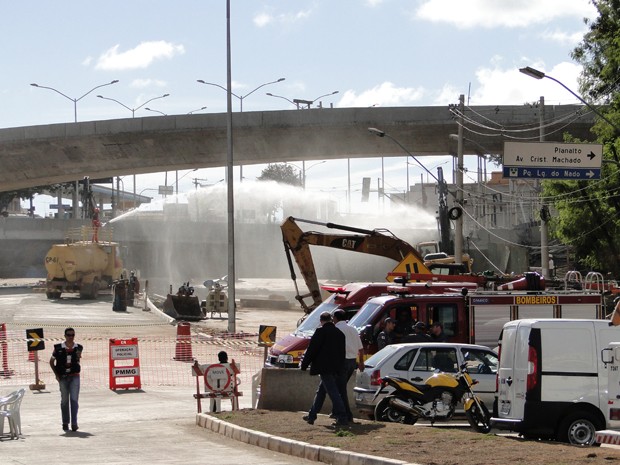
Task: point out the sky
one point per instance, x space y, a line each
373 52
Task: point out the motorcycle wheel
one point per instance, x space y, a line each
479 420
385 412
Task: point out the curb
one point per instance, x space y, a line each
304 450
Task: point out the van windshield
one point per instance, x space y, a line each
364 316
312 321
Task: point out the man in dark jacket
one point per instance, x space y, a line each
326 355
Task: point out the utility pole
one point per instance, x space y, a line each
442 213
458 223
544 210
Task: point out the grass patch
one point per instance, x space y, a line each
343 433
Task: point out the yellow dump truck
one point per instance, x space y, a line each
82 266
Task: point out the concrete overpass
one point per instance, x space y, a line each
41 155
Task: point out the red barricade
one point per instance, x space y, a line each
124 364
183 350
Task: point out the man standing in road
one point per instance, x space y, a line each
65 363
325 356
354 357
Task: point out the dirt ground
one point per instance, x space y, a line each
421 444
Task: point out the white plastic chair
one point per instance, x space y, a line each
9 409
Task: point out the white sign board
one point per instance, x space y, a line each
124 352
122 372
218 378
552 160
552 155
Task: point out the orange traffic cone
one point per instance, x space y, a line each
183 352
529 281
518 285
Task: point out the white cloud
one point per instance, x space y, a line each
264 19
505 13
502 86
139 57
143 83
373 3
563 38
385 94
87 61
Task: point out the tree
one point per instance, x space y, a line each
589 211
282 173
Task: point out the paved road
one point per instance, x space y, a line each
154 425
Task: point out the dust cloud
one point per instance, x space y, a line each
185 238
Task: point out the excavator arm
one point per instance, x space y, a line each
376 242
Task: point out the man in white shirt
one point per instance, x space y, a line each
354 357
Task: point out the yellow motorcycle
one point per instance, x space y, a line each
434 400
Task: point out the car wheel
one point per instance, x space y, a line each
578 429
385 412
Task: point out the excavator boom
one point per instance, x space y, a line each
380 242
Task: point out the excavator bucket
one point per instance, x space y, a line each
182 307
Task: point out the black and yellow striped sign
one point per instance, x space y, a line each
266 336
35 339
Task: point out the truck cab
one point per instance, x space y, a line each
449 309
287 352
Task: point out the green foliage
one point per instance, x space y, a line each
589 211
282 173
342 433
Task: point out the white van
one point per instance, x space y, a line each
552 380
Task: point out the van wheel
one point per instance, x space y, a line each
578 429
385 412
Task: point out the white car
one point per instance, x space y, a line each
417 361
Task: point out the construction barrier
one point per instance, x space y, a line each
124 364
183 351
6 371
220 382
157 364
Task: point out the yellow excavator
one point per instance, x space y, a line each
379 242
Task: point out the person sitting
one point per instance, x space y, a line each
419 334
437 334
404 322
387 336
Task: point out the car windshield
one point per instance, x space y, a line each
312 321
364 316
387 351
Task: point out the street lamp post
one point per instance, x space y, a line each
440 183
240 97
299 103
536 74
133 110
544 212
194 111
155 111
74 100
303 170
